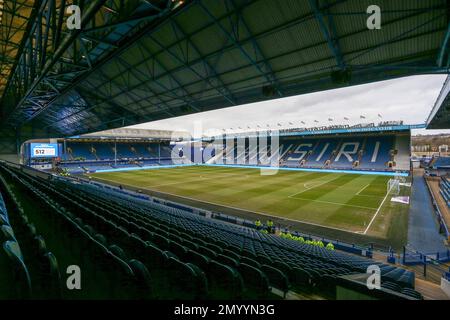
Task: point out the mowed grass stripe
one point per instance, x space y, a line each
252 193
219 187
249 181
367 206
339 197
198 180
153 178
323 203
332 203
265 194
377 187
266 185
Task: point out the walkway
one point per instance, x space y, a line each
423 232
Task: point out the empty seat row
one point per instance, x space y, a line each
125 277
16 261
208 250
407 279
228 273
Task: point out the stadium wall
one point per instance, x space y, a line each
144 168
14 158
401 174
385 173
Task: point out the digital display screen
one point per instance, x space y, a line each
44 150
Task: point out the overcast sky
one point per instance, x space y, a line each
409 99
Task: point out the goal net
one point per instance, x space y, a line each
393 186
400 179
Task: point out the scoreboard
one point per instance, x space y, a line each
44 150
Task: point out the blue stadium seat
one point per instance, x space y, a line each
166 238
256 283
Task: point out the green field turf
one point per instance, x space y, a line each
346 202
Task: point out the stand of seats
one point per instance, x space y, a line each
126 279
440 162
19 281
217 260
344 153
445 190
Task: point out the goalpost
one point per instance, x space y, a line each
393 186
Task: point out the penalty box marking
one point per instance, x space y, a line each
257 212
376 213
320 183
364 188
236 208
294 196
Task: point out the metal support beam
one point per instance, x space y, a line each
444 48
270 77
80 51
221 87
218 88
257 49
329 32
34 58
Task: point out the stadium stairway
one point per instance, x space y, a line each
402 158
155 244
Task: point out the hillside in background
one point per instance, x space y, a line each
434 141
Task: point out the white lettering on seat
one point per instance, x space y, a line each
323 151
284 150
375 152
302 153
348 153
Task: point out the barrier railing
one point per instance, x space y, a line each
433 262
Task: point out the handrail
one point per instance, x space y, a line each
427 260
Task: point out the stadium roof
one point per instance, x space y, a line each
14 16
135 133
322 131
439 117
148 60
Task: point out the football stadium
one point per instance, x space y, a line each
332 197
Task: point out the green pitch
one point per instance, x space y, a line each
348 202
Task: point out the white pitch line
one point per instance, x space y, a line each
376 213
317 185
362 189
336 203
252 211
158 185
235 208
191 179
